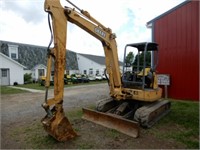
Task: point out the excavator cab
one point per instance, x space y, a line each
140 74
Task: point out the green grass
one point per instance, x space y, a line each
112 133
184 121
74 114
86 145
89 83
9 90
33 136
36 86
34 139
181 125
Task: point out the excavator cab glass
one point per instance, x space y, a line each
138 71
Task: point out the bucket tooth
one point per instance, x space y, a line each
112 121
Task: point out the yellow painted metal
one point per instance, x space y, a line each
42 78
48 75
58 126
155 82
148 95
55 122
146 71
112 121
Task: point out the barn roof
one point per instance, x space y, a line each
98 59
149 23
142 46
32 55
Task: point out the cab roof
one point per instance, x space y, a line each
141 46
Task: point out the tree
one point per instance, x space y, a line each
141 56
129 59
27 78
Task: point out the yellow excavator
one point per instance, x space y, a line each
135 98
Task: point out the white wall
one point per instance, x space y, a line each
74 72
27 71
35 71
86 64
16 71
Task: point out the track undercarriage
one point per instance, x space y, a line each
126 116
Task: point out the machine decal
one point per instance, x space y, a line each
98 31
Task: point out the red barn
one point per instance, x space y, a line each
177 33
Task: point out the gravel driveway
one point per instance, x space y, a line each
17 107
22 108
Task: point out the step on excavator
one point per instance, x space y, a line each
135 98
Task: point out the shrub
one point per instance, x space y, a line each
27 78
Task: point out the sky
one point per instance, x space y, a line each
25 21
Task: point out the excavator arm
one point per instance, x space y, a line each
55 122
61 16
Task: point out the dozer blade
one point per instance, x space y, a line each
58 126
111 121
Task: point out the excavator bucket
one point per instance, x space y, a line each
58 126
112 121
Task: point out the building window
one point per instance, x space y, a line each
4 73
41 72
97 71
85 72
13 51
67 72
90 71
13 55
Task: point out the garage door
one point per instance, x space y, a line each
5 76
